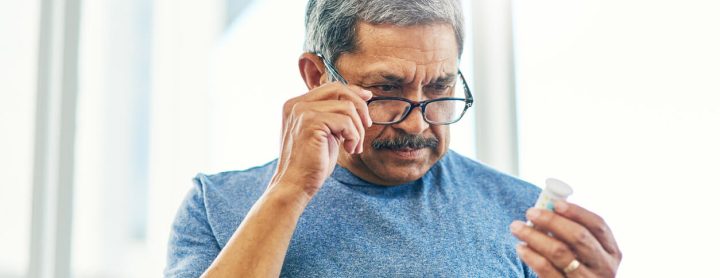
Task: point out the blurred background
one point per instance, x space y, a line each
108 108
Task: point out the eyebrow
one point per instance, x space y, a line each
396 79
382 76
448 78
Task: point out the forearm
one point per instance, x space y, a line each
258 246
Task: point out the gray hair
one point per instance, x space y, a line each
330 25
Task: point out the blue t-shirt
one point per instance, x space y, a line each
454 221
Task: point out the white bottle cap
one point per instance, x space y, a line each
558 189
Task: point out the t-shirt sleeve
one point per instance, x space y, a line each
192 245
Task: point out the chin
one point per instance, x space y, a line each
395 171
389 168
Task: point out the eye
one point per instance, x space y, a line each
437 89
385 88
440 87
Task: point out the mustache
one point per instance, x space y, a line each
405 141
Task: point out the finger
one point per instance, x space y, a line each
343 107
576 236
363 109
555 251
344 128
338 125
337 87
364 94
360 104
582 271
328 91
538 263
338 91
593 222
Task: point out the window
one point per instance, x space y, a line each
18 51
620 99
112 140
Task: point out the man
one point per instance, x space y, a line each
365 184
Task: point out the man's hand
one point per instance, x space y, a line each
315 126
577 234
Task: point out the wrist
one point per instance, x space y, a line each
289 196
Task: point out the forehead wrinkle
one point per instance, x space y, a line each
418 53
407 69
403 61
426 37
378 69
443 75
446 78
409 54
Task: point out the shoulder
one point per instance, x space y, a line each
210 213
505 189
228 196
231 182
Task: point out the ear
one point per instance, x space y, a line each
312 70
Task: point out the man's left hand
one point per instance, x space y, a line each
577 234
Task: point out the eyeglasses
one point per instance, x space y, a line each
392 110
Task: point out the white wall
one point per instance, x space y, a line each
621 99
18 50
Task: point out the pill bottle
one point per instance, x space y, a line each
554 191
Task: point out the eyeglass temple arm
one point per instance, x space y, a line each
331 69
468 95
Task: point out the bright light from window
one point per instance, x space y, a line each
18 51
620 99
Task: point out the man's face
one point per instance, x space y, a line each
415 58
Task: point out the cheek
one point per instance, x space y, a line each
371 134
442 133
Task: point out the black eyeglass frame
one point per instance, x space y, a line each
334 74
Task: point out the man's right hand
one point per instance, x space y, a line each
315 126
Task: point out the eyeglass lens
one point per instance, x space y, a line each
388 111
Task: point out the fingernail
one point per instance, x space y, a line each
515 226
561 206
533 213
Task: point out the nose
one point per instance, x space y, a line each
413 123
